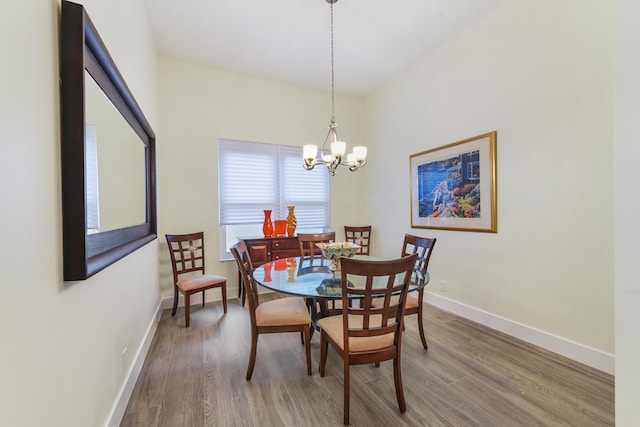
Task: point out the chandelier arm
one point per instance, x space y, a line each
326 138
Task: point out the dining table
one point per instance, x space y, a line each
317 280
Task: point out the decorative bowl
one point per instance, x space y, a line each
335 251
332 287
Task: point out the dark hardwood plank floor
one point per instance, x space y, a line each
470 376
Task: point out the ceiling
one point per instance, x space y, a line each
289 40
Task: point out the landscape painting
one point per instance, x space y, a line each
454 186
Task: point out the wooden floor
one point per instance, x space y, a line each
470 376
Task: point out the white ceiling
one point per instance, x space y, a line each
289 40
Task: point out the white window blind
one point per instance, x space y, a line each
255 176
91 179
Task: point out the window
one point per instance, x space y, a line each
91 172
254 176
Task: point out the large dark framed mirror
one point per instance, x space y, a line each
108 154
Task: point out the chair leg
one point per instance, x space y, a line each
203 291
307 345
175 300
421 330
241 291
346 389
224 296
324 346
187 308
324 306
397 376
252 357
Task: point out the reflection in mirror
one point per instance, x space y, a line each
109 178
115 165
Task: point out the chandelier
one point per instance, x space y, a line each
336 157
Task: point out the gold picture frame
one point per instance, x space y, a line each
454 187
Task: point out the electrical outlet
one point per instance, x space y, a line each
443 286
124 360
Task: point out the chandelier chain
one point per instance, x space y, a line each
332 73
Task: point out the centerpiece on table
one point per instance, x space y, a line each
334 252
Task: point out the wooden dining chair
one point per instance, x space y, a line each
360 236
307 242
309 252
423 247
367 333
187 261
269 317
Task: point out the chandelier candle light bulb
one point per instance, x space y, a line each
338 148
309 152
360 153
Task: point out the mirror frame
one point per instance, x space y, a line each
81 48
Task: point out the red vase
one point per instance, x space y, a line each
267 226
280 227
267 272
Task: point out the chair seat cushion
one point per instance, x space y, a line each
332 326
411 302
283 311
200 281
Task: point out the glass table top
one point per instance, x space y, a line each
313 278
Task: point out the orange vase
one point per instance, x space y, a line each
291 221
291 269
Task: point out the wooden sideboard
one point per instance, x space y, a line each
265 249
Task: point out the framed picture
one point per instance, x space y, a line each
453 187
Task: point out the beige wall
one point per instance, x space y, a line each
540 74
198 105
627 222
61 362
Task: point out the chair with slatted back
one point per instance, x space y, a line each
424 248
310 253
307 242
360 236
276 316
187 261
367 333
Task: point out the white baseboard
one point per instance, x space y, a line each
117 411
580 353
167 302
